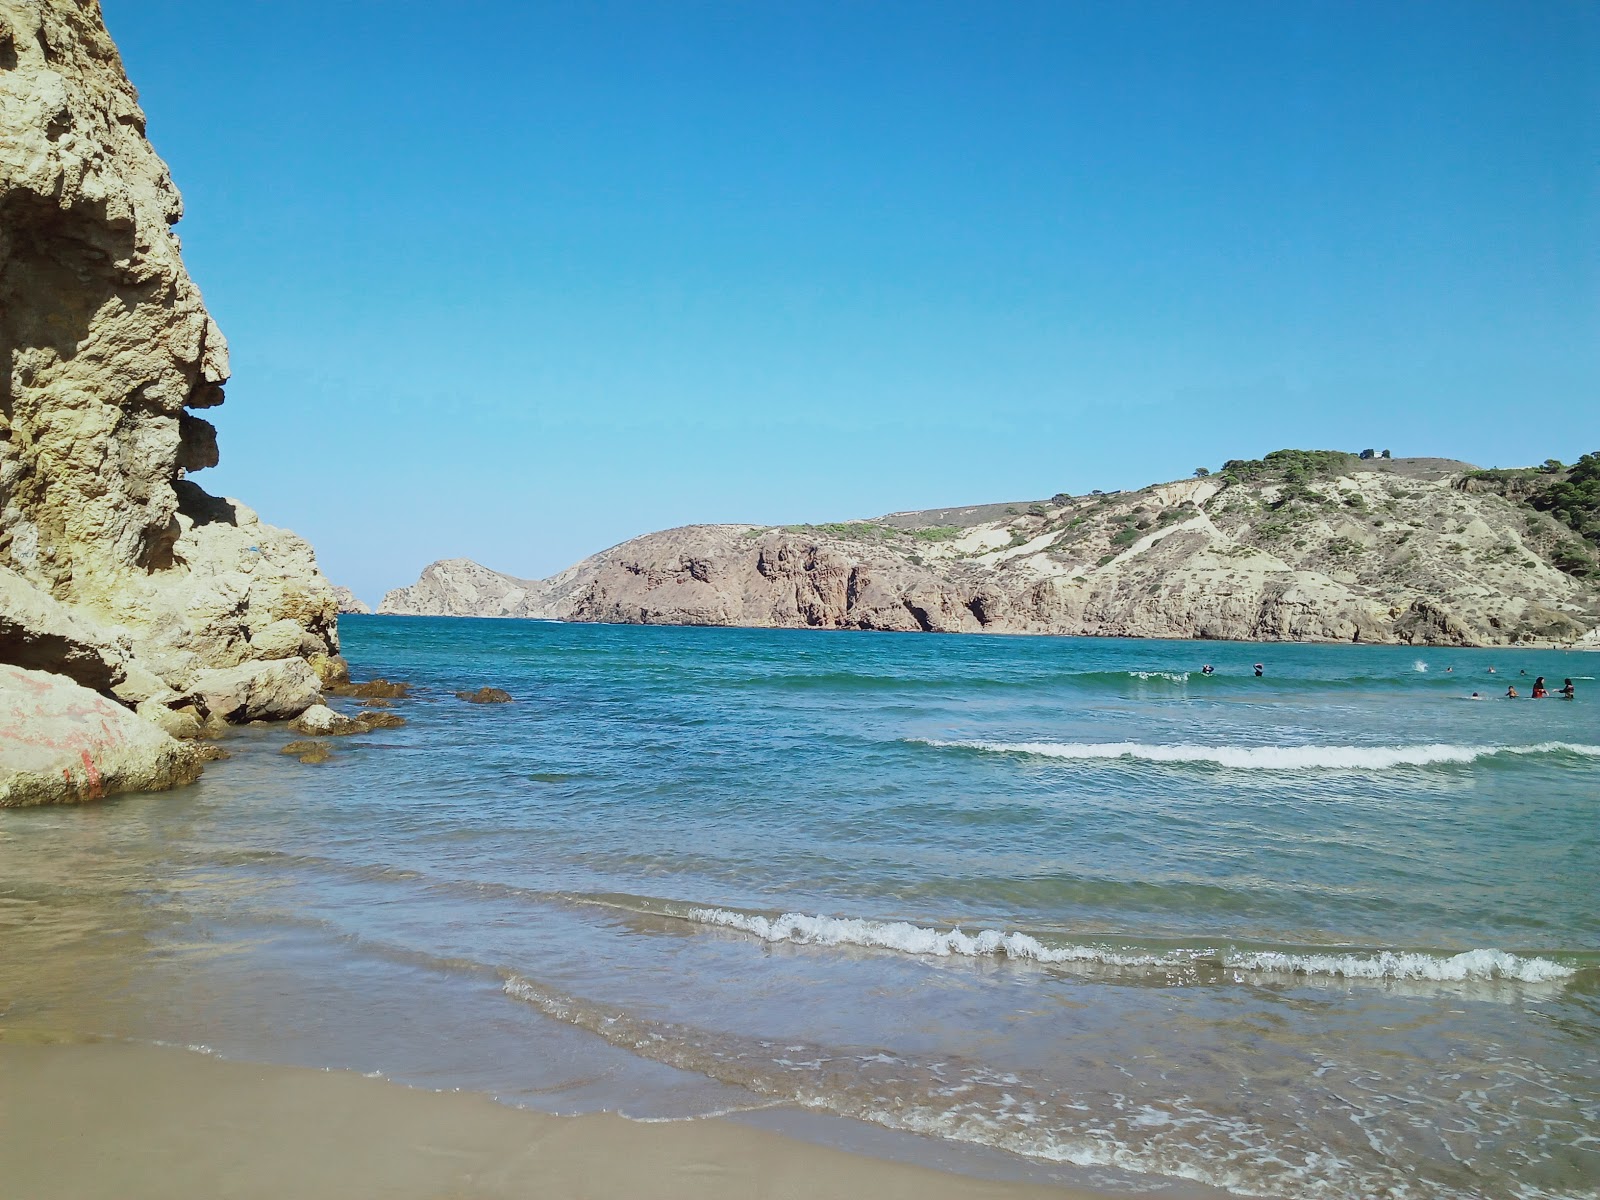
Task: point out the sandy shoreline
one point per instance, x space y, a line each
131 1121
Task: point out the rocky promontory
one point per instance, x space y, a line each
1301 545
120 578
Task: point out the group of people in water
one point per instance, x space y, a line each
1540 692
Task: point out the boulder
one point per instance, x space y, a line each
182 723
280 639
38 633
60 743
321 721
330 668
273 691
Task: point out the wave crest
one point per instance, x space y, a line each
1269 758
1483 965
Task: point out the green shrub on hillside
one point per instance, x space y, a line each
1573 498
1288 466
861 531
937 533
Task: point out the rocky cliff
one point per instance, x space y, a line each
348 601
116 570
1294 547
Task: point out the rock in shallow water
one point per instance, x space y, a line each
485 695
60 743
321 721
373 688
273 691
308 752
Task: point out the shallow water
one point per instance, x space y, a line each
1330 932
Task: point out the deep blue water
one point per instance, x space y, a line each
1333 931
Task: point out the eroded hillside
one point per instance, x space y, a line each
1299 545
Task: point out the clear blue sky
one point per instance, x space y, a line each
517 281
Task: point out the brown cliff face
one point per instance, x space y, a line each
1377 552
106 354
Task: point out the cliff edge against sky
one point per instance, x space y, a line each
119 577
1318 546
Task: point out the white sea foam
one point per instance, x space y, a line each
911 939
1271 758
1174 676
1420 666
1389 964
801 929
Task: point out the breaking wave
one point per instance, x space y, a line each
1484 965
1271 758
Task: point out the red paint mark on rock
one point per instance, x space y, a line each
96 788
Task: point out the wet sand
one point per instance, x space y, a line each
129 1121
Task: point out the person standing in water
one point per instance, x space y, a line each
1568 692
1511 692
1539 690
1258 670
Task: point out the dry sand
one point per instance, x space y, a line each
123 1121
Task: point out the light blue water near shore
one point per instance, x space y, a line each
1331 932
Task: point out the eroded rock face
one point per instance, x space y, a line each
348 601
119 572
458 587
1390 553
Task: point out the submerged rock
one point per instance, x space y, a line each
308 752
374 688
485 695
61 743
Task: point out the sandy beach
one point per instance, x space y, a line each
130 1121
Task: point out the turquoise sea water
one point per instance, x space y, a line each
1332 932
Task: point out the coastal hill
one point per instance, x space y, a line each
1300 545
133 605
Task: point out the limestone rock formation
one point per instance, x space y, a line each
348 601
1378 551
459 587
118 571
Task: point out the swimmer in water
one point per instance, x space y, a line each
1258 670
1491 670
1474 696
1511 692
1568 692
1208 669
1539 690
